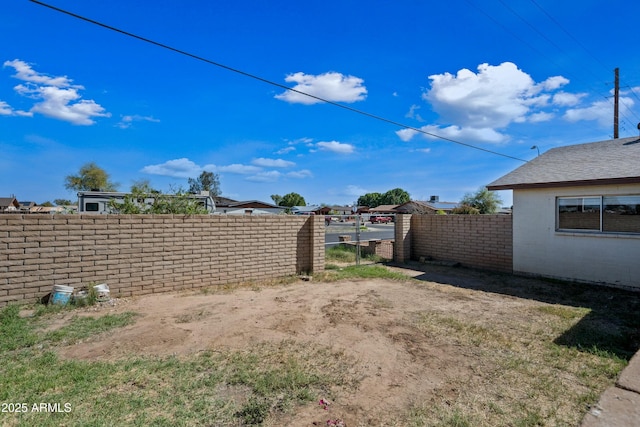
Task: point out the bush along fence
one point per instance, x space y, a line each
142 254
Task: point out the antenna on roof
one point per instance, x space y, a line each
616 97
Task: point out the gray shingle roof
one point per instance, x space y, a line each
613 161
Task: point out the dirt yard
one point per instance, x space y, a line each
440 343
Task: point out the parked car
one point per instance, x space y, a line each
380 219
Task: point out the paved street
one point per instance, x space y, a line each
376 231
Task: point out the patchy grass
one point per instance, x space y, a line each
543 361
212 388
347 254
80 328
520 372
335 273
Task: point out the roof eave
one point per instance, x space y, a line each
528 185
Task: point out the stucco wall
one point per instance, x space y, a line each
141 254
590 257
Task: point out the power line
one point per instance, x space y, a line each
607 98
555 21
521 40
270 82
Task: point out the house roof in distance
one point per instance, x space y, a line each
384 208
434 205
615 161
9 201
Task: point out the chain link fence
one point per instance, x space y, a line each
359 239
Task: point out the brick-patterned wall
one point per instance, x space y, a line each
142 254
481 241
382 248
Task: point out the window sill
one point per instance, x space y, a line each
599 234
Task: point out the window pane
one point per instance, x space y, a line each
621 213
579 213
91 207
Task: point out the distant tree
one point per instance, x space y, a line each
292 199
143 186
90 177
370 199
207 181
465 210
63 202
276 199
47 204
142 202
397 196
485 201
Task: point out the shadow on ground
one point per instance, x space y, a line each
612 324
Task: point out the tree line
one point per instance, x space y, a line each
93 177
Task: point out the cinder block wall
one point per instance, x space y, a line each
142 254
481 241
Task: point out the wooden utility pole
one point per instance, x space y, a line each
616 96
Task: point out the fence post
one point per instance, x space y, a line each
402 245
317 244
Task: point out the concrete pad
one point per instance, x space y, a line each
630 376
616 408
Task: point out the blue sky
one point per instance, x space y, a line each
495 74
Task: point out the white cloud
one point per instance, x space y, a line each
553 83
59 99
406 134
456 133
25 73
7 110
355 191
330 86
336 147
269 176
304 173
286 150
494 97
600 111
127 121
565 99
178 168
423 150
478 106
235 168
272 163
59 104
412 113
540 117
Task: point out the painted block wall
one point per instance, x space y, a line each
609 258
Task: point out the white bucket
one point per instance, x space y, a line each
61 294
102 292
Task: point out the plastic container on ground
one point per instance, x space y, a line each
102 292
61 294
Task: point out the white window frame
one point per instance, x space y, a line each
601 210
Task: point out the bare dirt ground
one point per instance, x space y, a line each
372 321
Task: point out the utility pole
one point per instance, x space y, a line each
616 96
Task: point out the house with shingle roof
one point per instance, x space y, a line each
576 213
429 207
247 207
9 204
